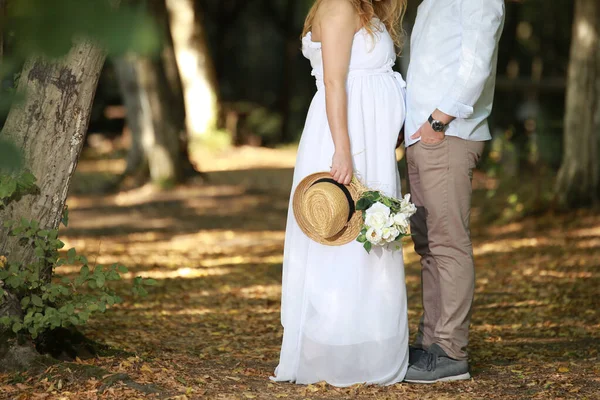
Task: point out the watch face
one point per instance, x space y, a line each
437 126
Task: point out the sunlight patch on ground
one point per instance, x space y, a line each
501 246
246 157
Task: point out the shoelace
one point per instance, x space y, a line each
430 361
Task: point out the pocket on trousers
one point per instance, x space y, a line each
435 145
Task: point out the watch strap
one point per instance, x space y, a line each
431 120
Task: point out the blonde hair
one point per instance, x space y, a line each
390 12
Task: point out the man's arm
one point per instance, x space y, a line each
482 22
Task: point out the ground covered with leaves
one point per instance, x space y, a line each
210 328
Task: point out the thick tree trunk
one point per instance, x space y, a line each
50 127
155 135
578 180
195 64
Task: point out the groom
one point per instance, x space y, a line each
451 78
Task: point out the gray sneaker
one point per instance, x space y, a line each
415 353
436 366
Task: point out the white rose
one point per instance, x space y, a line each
406 206
386 234
390 221
377 216
379 208
393 234
374 236
377 221
400 219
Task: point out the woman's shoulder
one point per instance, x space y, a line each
337 11
336 8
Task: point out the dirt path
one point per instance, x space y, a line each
210 329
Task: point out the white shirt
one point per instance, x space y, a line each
453 60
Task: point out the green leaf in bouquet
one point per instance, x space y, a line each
364 204
362 238
368 246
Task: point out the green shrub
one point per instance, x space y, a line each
61 302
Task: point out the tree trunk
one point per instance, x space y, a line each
145 133
155 135
578 180
137 164
177 97
50 127
195 66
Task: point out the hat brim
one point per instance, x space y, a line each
346 235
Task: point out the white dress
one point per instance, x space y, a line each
344 311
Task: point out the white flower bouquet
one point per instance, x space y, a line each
385 219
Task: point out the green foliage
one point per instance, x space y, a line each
372 197
48 28
264 123
40 26
64 301
13 186
11 159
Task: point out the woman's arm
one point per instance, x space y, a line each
337 21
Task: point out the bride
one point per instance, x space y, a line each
344 310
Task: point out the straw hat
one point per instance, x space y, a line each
325 210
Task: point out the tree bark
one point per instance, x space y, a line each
155 135
578 180
50 127
196 67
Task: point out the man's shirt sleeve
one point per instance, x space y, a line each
482 22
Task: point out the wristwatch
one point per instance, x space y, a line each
437 126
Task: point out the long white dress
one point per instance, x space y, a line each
344 311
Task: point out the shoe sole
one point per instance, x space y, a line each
461 377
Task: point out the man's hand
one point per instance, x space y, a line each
426 132
428 135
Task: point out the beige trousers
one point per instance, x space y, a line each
440 178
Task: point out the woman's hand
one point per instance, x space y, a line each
341 167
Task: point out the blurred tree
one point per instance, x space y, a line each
285 20
155 144
195 64
156 115
578 180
